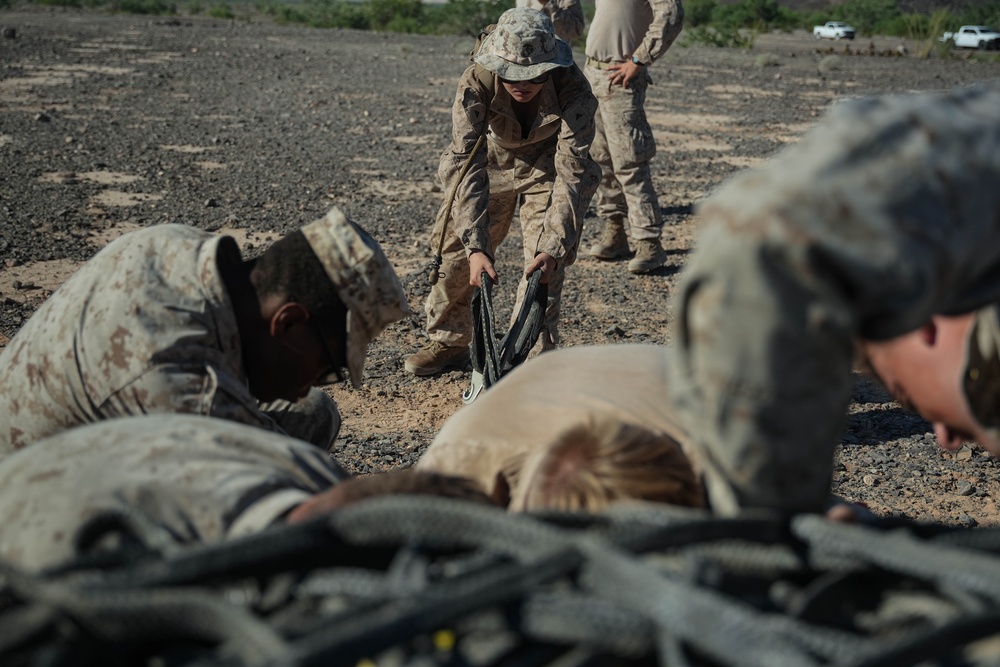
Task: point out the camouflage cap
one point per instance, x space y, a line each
981 376
365 282
523 45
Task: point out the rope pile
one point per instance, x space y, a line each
431 581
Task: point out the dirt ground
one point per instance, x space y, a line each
110 123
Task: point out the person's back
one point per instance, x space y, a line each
151 297
575 401
172 319
193 479
881 218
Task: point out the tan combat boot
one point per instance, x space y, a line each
435 358
649 256
612 245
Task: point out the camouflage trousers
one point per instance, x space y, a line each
516 177
623 146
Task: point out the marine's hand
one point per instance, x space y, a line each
622 73
479 262
543 261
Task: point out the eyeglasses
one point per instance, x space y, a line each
334 372
541 78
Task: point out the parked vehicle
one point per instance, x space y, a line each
833 30
973 37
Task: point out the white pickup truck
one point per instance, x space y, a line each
974 37
833 30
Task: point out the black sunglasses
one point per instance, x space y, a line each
334 372
541 78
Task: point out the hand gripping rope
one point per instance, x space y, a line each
492 358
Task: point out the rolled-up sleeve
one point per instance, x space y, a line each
668 19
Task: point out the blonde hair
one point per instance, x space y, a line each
590 467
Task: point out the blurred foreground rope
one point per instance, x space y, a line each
428 581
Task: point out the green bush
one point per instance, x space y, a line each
465 17
709 36
144 7
194 7
698 12
221 11
872 17
395 15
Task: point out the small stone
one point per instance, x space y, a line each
9 32
614 331
965 488
869 480
43 118
211 203
967 520
964 454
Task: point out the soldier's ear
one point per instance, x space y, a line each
289 316
500 494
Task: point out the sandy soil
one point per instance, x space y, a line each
110 123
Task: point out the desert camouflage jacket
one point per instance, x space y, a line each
197 479
145 326
886 213
565 123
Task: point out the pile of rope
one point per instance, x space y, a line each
431 581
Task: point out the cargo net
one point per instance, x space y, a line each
429 581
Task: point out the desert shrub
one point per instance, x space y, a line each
758 15
329 14
465 17
871 17
766 60
194 7
698 12
395 15
143 7
60 3
982 14
221 11
710 36
829 64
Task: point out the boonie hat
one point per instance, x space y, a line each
523 45
364 279
981 375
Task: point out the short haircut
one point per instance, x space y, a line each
289 267
592 466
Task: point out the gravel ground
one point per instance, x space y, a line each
109 123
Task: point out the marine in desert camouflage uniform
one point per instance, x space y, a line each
882 224
171 319
577 428
566 16
536 154
182 479
625 38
